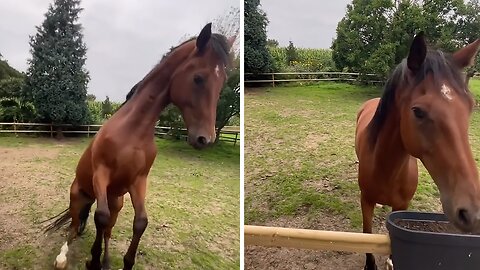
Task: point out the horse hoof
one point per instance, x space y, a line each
389 264
370 267
60 265
90 266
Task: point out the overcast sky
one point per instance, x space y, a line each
125 38
308 23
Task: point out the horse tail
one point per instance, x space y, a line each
58 222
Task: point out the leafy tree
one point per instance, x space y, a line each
91 97
272 43
94 114
15 110
360 33
172 117
229 102
257 57
291 53
6 71
107 108
441 17
406 22
469 26
56 76
12 87
375 35
229 26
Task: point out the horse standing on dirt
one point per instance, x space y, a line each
120 156
424 113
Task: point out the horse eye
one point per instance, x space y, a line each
419 113
198 79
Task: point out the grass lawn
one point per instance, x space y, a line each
300 157
192 203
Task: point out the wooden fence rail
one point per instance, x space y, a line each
317 240
228 133
278 77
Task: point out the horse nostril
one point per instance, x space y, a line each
463 216
201 140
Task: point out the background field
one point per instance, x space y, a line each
301 168
192 203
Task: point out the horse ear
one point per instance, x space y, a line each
466 55
418 52
204 37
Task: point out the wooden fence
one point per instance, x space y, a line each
316 240
282 77
228 134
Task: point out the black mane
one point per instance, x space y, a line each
437 63
218 43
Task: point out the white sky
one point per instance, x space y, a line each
308 23
125 38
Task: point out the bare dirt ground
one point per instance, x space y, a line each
284 258
35 176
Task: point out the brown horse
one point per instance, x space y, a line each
424 113
120 156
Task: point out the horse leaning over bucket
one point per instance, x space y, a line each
424 113
120 156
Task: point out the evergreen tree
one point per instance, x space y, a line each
56 76
257 56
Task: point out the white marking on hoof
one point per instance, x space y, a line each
61 260
389 264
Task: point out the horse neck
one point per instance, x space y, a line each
153 95
389 149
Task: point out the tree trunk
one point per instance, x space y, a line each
59 133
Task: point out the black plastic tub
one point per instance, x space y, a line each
419 250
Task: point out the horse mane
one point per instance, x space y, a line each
438 64
217 42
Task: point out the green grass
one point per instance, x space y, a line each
300 157
192 204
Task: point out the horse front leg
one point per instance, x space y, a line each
367 214
140 221
102 216
115 204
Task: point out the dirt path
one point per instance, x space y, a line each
284 258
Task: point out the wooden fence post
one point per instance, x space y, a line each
273 79
15 129
88 131
51 130
235 142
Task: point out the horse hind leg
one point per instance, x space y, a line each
140 221
83 215
79 204
367 214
